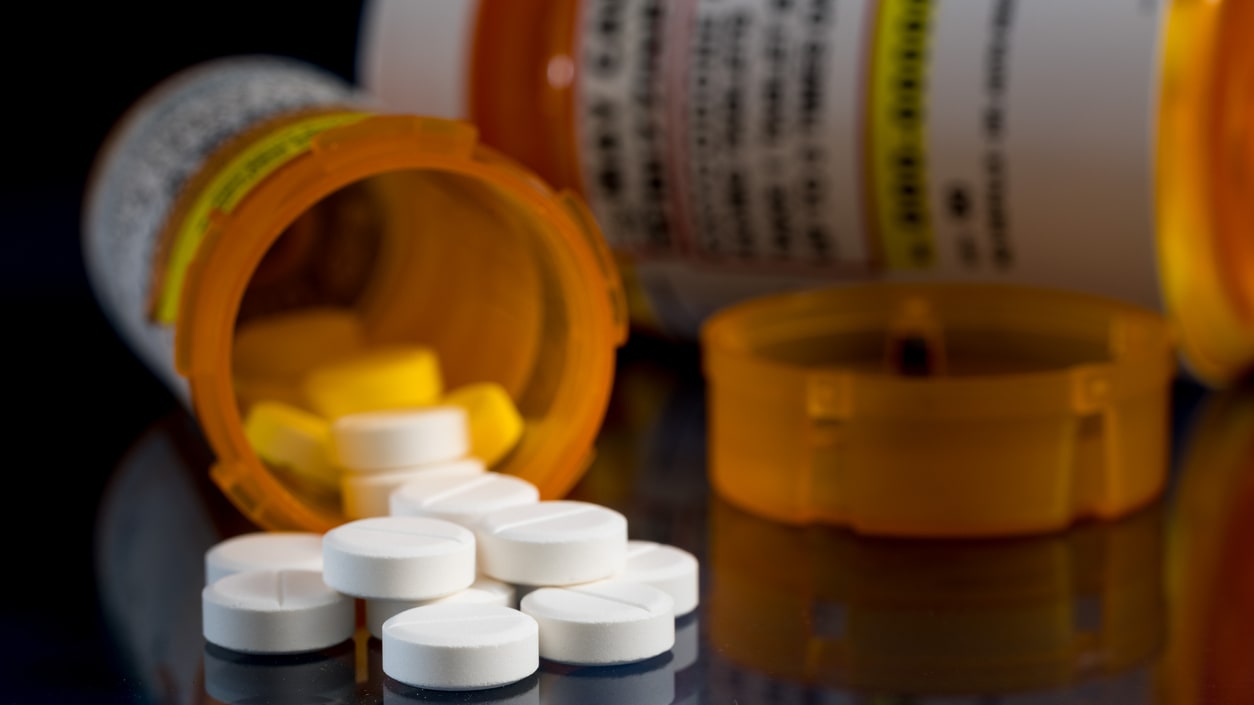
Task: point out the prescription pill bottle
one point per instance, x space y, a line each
254 185
735 148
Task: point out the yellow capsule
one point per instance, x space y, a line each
390 377
496 426
293 439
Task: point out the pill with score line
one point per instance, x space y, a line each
401 558
367 494
552 542
257 550
484 591
604 623
275 612
668 568
460 499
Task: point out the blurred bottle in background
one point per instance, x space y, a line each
732 148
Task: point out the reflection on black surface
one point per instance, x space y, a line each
1075 611
1210 573
788 615
524 692
650 682
326 677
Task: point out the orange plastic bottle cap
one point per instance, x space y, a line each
938 409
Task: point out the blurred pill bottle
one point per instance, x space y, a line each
733 148
254 186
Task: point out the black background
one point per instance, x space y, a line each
76 395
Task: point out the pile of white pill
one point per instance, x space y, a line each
466 576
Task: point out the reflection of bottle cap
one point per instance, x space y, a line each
823 606
326 676
938 410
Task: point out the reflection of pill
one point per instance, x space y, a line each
276 611
366 494
460 646
602 623
292 438
461 499
484 591
668 568
554 542
495 424
289 344
394 377
400 558
263 550
395 438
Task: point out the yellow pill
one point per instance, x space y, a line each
496 426
393 377
294 439
288 345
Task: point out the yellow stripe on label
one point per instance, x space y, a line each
231 184
898 149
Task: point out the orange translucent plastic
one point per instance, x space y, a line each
938 410
506 279
522 88
1206 185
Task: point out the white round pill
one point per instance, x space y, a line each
395 438
668 568
460 646
399 558
484 591
276 611
366 494
263 550
462 500
552 542
603 623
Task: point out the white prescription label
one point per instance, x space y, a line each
161 142
725 131
1040 140
733 148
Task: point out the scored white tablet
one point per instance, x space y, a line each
276 611
604 623
263 550
553 542
366 494
450 646
462 499
668 568
399 558
484 591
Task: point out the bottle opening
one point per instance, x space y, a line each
470 258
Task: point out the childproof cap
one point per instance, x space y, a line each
938 410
